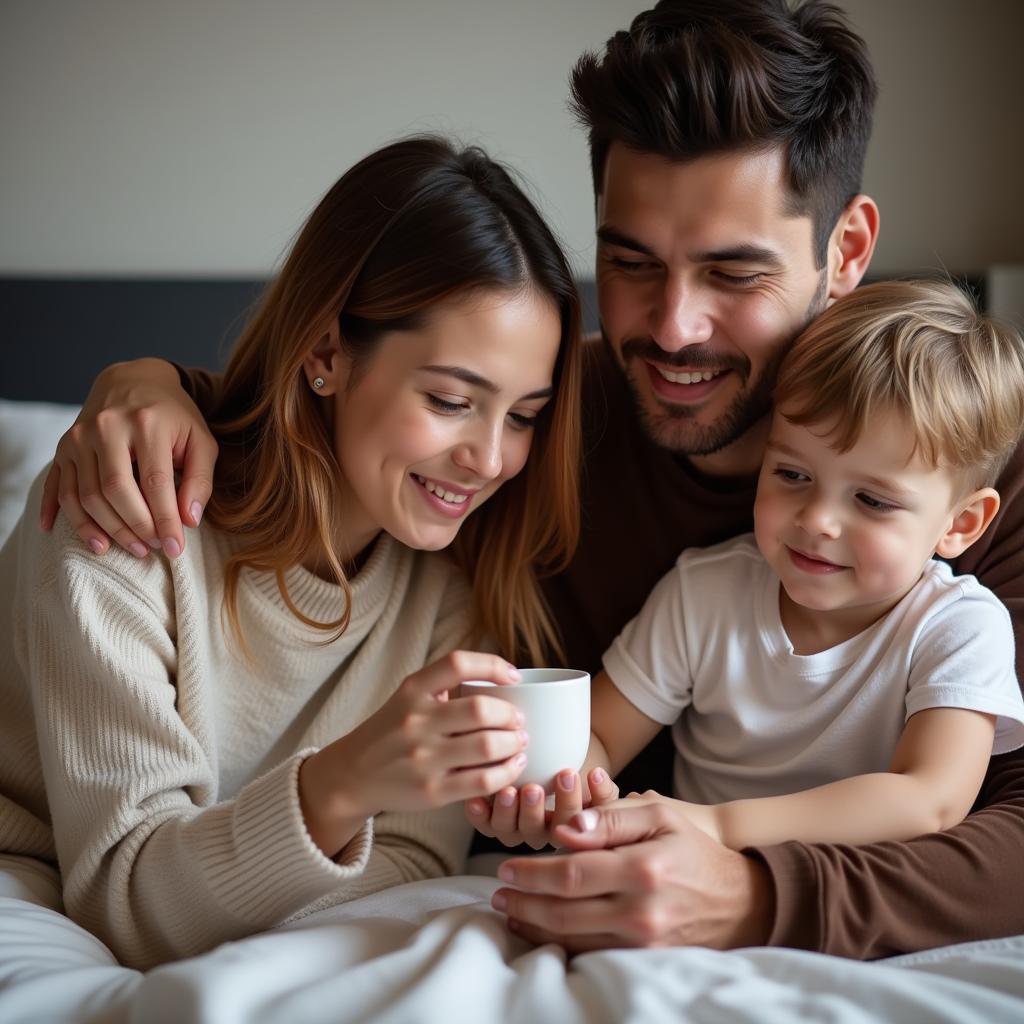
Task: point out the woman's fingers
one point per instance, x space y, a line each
459 667
477 749
533 823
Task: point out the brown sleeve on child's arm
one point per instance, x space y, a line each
202 386
946 887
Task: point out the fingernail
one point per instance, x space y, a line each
172 548
506 798
477 808
514 673
138 550
499 902
506 872
524 738
96 545
520 760
585 821
599 775
520 717
154 543
532 795
196 511
567 780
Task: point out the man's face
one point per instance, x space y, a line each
703 281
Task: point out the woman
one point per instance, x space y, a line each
211 745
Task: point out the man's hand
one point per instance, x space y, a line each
642 874
520 816
135 413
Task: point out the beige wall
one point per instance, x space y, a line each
946 161
192 137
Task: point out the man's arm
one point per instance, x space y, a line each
137 416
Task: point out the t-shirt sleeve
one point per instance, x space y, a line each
964 658
648 660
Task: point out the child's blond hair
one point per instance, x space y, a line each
920 348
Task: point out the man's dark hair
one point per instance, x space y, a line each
697 77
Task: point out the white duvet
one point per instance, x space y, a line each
436 952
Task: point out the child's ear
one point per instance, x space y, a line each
977 510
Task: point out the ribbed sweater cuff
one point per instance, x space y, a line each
277 868
798 920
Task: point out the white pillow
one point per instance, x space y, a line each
29 432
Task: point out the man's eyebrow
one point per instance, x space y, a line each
615 237
469 377
745 253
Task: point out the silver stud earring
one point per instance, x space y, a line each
318 382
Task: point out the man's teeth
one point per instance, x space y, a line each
688 378
456 499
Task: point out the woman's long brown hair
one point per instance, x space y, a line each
411 225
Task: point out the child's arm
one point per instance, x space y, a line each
933 780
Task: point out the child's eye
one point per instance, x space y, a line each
875 504
791 476
443 405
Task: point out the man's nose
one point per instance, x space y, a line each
681 317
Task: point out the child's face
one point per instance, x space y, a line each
849 532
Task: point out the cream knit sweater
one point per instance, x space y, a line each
140 751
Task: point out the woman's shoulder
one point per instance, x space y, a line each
58 561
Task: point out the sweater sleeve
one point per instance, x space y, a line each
149 862
955 886
200 385
411 847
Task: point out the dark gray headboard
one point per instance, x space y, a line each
57 334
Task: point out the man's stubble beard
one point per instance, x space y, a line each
674 429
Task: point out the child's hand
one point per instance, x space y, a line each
519 816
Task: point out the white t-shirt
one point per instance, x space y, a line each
708 654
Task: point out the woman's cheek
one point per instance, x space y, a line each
515 454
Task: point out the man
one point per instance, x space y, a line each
727 141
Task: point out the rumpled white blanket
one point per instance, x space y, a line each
435 952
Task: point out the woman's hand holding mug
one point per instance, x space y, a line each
419 751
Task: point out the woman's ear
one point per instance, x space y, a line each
976 512
852 245
325 365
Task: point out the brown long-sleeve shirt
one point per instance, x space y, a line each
640 507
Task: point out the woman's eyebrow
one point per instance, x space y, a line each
469 377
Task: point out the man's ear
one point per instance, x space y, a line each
852 245
977 510
325 365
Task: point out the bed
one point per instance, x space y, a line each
429 951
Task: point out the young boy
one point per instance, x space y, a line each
826 678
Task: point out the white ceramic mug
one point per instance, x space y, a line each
556 704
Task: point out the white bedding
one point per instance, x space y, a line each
435 951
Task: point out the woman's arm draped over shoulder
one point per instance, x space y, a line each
945 887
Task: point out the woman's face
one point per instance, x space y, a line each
435 420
